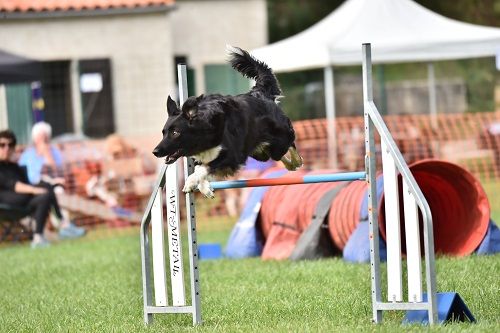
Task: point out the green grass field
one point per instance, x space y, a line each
94 285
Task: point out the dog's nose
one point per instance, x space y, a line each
156 151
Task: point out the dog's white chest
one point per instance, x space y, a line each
208 156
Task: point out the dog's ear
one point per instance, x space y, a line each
191 113
190 107
172 107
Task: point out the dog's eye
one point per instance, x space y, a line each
175 133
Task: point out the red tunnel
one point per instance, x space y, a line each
459 206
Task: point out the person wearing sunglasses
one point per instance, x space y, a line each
16 190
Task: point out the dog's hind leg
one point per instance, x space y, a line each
296 158
261 152
293 162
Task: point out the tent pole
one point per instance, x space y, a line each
330 116
4 121
76 101
382 91
431 77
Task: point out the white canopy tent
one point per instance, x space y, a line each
399 31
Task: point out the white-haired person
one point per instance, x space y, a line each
39 199
42 153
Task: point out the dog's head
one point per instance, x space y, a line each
187 132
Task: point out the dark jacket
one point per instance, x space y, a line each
10 173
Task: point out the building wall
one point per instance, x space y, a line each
142 48
139 47
202 29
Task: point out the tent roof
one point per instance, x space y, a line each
399 31
15 69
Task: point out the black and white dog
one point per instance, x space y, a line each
220 132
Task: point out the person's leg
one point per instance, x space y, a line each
40 207
231 201
66 228
53 199
96 187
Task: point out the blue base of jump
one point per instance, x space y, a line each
451 307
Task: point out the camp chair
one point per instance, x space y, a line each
9 222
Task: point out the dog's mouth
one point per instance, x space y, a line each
169 159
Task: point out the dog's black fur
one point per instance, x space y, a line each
250 124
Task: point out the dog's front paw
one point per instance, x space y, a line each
205 189
186 189
208 194
191 184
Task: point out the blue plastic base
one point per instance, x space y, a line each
491 241
209 251
451 307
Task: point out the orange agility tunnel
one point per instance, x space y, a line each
459 206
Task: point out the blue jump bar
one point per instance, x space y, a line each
289 180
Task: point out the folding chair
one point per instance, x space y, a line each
9 222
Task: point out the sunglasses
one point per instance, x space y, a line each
5 144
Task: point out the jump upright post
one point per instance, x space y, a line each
168 181
393 163
413 199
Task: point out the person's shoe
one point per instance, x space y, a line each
77 230
71 231
40 243
121 212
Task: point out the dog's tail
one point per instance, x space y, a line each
265 81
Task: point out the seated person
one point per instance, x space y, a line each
110 181
41 153
40 199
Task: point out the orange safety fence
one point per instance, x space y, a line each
459 138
